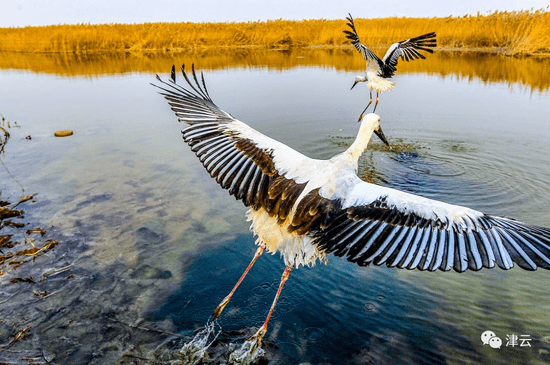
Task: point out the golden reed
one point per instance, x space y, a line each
511 33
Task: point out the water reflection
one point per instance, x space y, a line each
153 244
530 73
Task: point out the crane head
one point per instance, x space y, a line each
357 80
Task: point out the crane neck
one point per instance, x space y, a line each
361 142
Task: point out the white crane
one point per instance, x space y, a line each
379 70
306 208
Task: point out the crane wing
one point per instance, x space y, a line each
408 49
366 223
381 225
368 55
256 169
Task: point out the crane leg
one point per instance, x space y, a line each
219 309
364 110
375 104
262 331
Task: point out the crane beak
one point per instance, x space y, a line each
355 83
381 135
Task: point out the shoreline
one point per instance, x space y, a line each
490 50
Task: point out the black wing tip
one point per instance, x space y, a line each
176 94
350 22
173 74
493 242
427 36
199 88
421 42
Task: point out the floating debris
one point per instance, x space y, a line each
4 139
6 133
18 336
5 241
55 272
27 248
10 223
9 213
24 199
22 280
34 251
64 133
42 231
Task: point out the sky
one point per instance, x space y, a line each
19 13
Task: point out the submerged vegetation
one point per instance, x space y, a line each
511 33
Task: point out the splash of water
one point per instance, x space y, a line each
194 352
249 353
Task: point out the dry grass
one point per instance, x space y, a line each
523 32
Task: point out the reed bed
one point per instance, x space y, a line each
512 33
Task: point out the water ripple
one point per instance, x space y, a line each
488 177
313 334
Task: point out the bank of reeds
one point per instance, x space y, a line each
512 33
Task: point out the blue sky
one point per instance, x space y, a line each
45 12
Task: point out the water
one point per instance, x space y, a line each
149 244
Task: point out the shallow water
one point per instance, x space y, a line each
152 244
